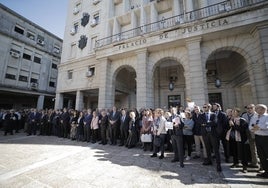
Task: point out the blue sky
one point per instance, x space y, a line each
49 14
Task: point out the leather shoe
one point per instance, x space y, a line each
196 157
161 157
263 175
182 165
154 155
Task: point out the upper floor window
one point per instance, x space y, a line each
77 8
11 76
40 40
70 74
97 17
56 49
52 84
23 78
54 66
27 56
30 35
33 80
37 59
19 29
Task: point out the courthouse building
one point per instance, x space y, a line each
161 53
29 56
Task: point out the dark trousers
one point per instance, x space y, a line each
32 127
162 145
94 135
87 133
177 144
103 135
123 135
212 142
113 134
262 149
188 141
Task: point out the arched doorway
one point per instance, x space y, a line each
169 84
125 87
234 86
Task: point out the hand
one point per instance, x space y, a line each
255 128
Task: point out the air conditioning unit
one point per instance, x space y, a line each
96 2
72 31
34 85
93 22
76 10
41 42
14 54
89 73
56 50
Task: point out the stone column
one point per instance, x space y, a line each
106 85
79 101
196 82
189 5
126 5
40 102
59 101
143 19
154 17
260 64
144 90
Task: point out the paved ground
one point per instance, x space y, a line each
42 161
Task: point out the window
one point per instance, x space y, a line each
30 35
37 59
19 30
11 76
27 56
40 40
70 74
97 17
54 66
33 80
52 84
56 49
23 78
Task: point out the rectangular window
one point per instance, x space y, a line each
37 59
19 30
27 56
70 74
23 78
56 49
40 40
97 18
30 35
52 84
33 80
11 76
54 66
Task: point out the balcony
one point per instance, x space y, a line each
187 17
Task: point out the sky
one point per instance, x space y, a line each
49 14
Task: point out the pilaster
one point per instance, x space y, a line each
40 102
106 85
59 101
79 102
196 87
144 91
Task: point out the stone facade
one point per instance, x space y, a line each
138 48
29 59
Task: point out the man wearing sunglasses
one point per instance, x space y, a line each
210 136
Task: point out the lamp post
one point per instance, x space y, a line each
217 83
171 85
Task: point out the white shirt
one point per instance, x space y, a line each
262 122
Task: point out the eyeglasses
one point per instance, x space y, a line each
204 106
249 108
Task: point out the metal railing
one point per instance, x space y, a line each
212 10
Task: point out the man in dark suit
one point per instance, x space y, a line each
10 122
124 126
114 120
65 122
87 122
210 136
222 127
33 121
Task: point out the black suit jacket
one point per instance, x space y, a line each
124 125
222 123
211 123
115 118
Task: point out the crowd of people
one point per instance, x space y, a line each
243 136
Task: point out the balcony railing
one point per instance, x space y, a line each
212 10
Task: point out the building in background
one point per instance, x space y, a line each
29 57
161 53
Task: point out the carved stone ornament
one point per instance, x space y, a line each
82 42
85 19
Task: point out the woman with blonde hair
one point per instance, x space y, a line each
236 137
132 136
